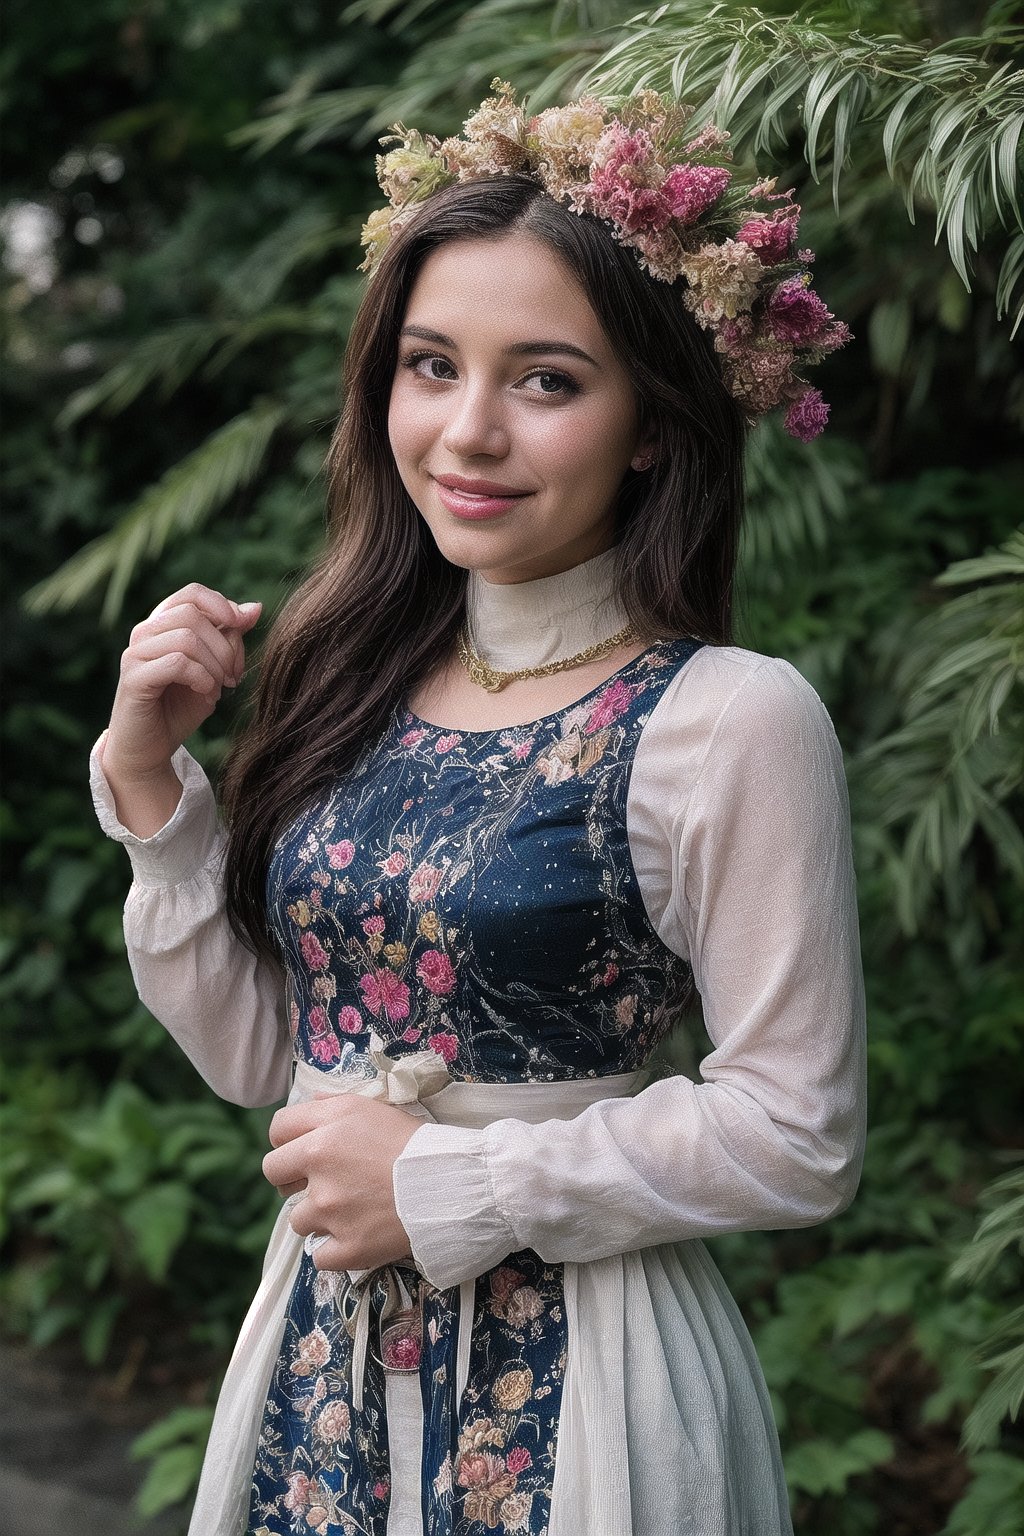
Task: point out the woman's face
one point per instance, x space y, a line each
511 421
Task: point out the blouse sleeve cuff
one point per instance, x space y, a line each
185 842
445 1201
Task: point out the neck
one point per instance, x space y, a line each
529 623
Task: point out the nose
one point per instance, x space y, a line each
476 423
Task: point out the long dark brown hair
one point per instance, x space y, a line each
381 609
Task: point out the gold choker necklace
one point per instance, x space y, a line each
489 678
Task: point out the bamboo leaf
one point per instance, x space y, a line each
182 499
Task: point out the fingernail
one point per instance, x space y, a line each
248 608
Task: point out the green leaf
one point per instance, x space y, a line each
823 1466
158 1220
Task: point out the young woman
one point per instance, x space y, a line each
508 797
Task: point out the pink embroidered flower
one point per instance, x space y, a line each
413 738
411 1034
807 416
435 971
522 750
384 993
340 855
611 972
350 1020
319 1023
690 189
610 703
444 744
446 1046
504 1281
380 1489
314 1352
316 898
402 1353
407 805
524 1305
313 952
333 1423
518 1459
423 882
372 925
625 1010
297 1497
771 238
392 865
326 1049
477 1469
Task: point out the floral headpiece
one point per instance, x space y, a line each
677 203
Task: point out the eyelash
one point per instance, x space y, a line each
568 385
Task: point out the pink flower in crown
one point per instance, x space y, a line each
617 148
319 1023
435 971
689 190
446 1046
444 744
340 855
414 737
771 238
807 416
423 882
350 1020
392 865
313 952
796 314
325 1049
610 703
518 1459
384 993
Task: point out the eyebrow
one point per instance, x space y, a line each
518 349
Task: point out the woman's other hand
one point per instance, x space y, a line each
342 1150
173 670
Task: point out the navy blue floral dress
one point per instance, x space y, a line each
471 893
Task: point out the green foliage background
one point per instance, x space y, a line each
168 400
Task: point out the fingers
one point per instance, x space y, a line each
220 610
297 1119
287 1165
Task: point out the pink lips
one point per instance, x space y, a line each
470 498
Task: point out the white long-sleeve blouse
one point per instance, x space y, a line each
739 831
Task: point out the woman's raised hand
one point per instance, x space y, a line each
175 665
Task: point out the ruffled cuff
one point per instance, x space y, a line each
183 844
445 1201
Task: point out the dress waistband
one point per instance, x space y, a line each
421 1084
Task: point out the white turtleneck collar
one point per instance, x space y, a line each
528 623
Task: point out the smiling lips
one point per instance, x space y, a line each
469 498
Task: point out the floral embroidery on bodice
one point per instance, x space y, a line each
474 892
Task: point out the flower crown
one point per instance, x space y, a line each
674 201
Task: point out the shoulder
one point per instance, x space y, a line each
729 711
727 690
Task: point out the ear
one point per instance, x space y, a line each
645 454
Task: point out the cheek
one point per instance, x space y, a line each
411 425
586 449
